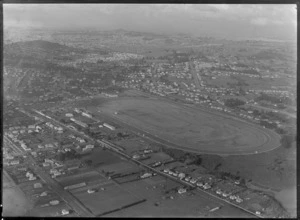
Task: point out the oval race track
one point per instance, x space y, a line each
192 129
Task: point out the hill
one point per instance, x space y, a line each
39 47
42 71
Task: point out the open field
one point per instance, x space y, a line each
220 81
119 167
288 198
267 83
273 172
156 52
113 197
46 199
49 211
79 178
160 156
191 129
159 204
186 206
7 181
132 145
254 83
128 178
92 185
15 202
100 156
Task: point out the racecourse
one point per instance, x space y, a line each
190 128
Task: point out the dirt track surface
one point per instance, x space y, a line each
192 129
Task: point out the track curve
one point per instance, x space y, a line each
192 130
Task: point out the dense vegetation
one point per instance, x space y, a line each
69 155
274 99
233 103
287 140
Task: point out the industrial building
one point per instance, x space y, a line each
75 186
109 126
86 114
79 122
69 115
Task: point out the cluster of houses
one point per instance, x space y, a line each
110 95
43 149
176 70
203 183
282 93
117 56
56 128
142 155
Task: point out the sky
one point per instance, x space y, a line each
218 20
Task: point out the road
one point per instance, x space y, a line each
72 201
196 76
65 195
12 145
114 148
28 114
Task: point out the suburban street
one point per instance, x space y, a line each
79 208
195 74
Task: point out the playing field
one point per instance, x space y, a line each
189 128
102 201
79 178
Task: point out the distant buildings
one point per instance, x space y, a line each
79 122
75 186
86 114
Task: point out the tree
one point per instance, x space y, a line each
61 157
88 163
287 140
106 174
232 103
256 112
243 182
119 134
281 131
217 167
165 79
198 161
242 91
